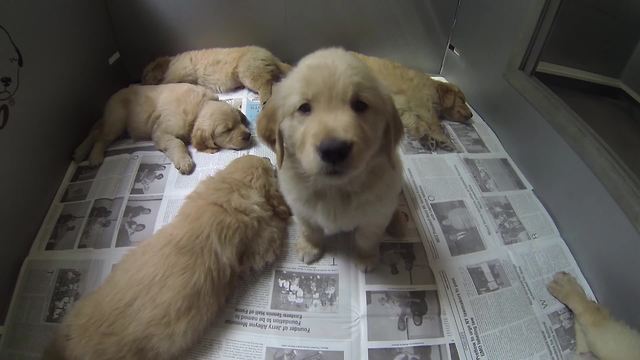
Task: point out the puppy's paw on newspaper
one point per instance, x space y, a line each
565 287
367 264
185 165
307 252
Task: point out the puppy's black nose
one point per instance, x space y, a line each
334 151
6 81
246 136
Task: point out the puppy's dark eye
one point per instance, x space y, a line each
359 106
305 108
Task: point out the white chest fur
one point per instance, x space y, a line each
371 201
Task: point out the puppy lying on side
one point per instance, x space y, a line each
164 294
420 100
335 132
170 115
220 69
596 331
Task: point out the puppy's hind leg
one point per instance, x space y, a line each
81 152
176 151
113 124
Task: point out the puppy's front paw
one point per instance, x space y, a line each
95 159
210 150
307 252
367 263
439 140
185 166
564 287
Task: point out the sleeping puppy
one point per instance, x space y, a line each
165 293
170 115
220 69
335 132
420 100
596 331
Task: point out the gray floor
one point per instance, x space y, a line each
611 113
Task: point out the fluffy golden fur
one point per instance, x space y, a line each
420 100
164 294
220 69
596 331
331 96
170 115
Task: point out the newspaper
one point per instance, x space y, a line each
466 281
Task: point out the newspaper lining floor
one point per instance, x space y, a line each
477 292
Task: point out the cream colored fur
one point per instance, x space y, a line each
163 295
363 196
220 69
170 115
420 100
596 331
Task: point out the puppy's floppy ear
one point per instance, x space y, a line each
393 131
202 134
446 94
268 122
268 127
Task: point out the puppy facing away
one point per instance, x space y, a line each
420 100
170 115
165 293
220 69
596 331
335 132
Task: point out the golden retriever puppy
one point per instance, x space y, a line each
420 100
165 293
335 132
220 69
170 115
596 331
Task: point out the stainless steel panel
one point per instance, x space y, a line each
64 82
412 32
602 239
594 35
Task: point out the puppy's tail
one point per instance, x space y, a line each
154 73
82 151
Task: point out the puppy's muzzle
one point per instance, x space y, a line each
334 151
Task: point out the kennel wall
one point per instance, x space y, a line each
66 77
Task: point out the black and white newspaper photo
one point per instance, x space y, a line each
417 352
47 290
151 176
494 174
101 224
67 226
138 220
403 315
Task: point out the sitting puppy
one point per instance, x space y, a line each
335 132
221 69
421 100
164 294
596 331
170 115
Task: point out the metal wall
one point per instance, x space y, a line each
63 84
414 32
603 241
594 35
631 72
